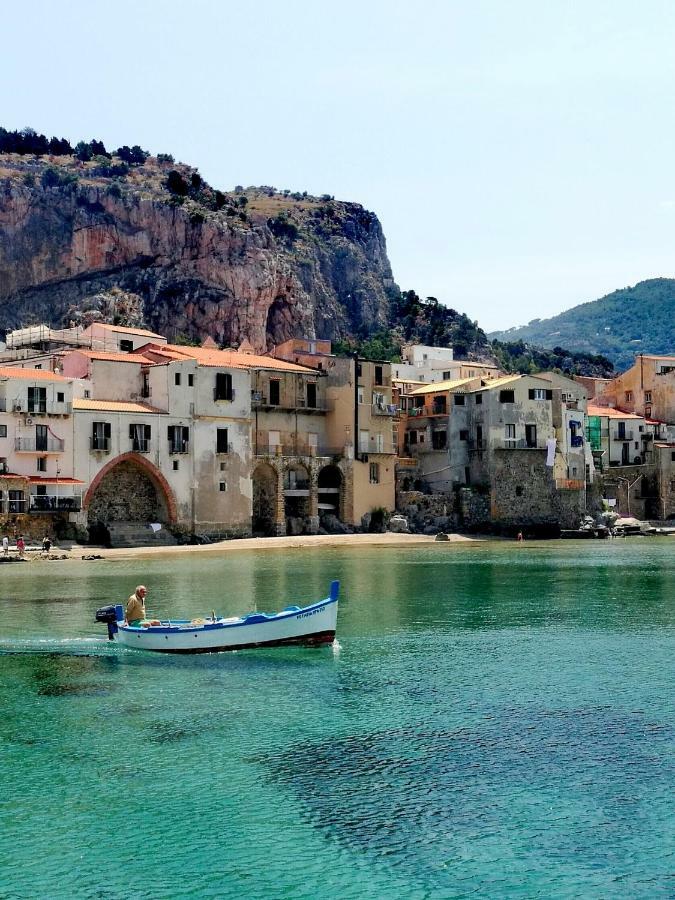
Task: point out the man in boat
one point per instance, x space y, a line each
135 612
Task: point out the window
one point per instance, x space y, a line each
223 390
379 443
648 396
223 466
221 441
17 501
3 431
176 379
413 438
274 438
38 366
364 441
531 435
145 386
464 434
519 491
374 473
87 395
191 380
222 486
629 396
139 435
126 346
439 440
60 397
42 463
510 435
311 395
175 465
100 436
479 399
540 394
275 392
37 400
179 438
446 376
507 397
378 375
360 394
359 370
41 437
459 399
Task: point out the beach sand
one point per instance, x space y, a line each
266 543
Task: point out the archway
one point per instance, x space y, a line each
296 494
264 499
330 483
130 489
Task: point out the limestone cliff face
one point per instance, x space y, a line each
232 273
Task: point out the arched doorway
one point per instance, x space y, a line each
129 490
296 495
264 499
330 492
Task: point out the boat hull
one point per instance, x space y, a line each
307 626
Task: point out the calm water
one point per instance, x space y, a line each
498 722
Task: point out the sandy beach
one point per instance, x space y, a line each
234 546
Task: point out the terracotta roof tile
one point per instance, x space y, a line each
30 374
123 406
228 359
610 412
111 356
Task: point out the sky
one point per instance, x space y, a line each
520 155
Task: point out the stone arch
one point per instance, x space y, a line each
331 490
266 499
130 488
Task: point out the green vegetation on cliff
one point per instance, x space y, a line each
632 320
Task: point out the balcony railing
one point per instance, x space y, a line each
13 506
40 503
622 435
299 448
386 409
224 395
179 447
518 444
99 444
258 401
38 445
140 446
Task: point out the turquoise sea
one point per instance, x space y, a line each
498 721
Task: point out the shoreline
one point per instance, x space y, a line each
301 542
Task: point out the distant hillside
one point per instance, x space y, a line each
628 321
85 230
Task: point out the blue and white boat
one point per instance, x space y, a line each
306 625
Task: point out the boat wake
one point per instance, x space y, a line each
51 646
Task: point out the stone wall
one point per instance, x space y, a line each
428 513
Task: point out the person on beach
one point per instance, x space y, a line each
20 546
5 546
135 612
46 545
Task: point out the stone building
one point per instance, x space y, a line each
646 389
38 488
360 429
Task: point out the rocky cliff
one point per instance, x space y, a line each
253 264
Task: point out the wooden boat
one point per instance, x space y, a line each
306 625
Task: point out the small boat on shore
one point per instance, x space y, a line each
304 625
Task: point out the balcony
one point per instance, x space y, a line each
385 409
622 435
179 447
40 409
38 445
517 444
475 445
226 396
45 503
223 451
99 444
258 401
140 446
299 448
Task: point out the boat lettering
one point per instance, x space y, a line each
312 612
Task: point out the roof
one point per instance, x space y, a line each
440 386
506 379
30 374
123 406
37 479
224 359
112 356
609 412
654 356
126 330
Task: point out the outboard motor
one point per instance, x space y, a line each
111 615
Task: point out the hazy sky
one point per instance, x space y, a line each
520 155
